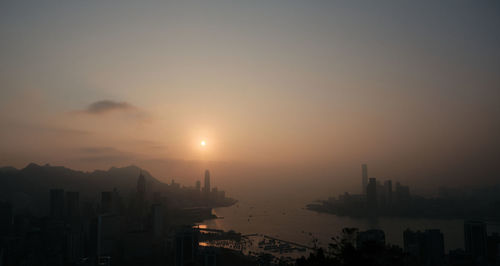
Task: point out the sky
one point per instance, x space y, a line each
305 88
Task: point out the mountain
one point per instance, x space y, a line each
28 188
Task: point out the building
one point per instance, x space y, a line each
198 185
141 187
425 247
6 218
109 229
371 194
206 189
185 245
364 178
157 217
388 192
475 238
106 202
402 194
57 203
493 245
72 204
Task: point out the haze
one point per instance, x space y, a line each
290 92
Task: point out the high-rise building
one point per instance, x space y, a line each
72 204
206 189
371 194
388 192
426 247
364 178
57 203
106 202
157 214
6 218
475 238
198 185
141 187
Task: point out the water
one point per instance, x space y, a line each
287 219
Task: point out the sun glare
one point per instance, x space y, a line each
203 143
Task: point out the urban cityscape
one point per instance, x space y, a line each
259 133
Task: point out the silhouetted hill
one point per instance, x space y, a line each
28 188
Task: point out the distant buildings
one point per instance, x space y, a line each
57 203
72 204
402 194
364 178
388 192
206 188
371 194
141 187
475 238
106 201
426 247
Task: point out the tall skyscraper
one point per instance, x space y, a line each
371 194
207 182
475 238
141 187
57 203
364 178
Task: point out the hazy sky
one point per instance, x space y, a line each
410 87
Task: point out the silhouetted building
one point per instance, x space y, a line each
493 245
206 189
57 203
186 243
157 217
475 238
198 185
388 192
371 194
108 232
6 218
106 202
402 194
364 178
425 247
369 238
72 204
141 187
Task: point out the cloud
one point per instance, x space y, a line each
95 150
106 106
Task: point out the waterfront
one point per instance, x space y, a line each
287 219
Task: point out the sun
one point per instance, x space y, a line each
203 143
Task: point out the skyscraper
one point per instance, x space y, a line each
364 178
106 201
57 203
371 194
198 185
475 238
207 182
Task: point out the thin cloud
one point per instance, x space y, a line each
106 106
